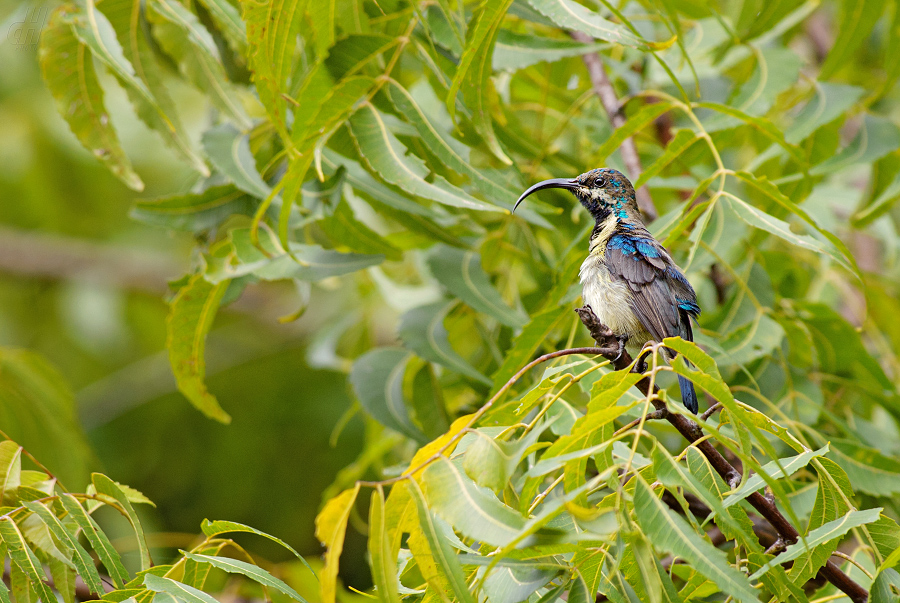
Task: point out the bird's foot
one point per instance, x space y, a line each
622 339
641 365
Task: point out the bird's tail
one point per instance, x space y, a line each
688 395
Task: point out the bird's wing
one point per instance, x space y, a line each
662 298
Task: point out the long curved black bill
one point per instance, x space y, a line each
566 183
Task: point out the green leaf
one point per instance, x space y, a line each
869 470
321 16
764 126
68 71
514 51
644 116
782 229
228 19
526 343
184 38
833 492
879 206
671 533
382 562
578 591
254 572
453 153
24 558
344 229
461 273
855 21
108 487
442 552
331 525
97 539
10 471
885 587
681 142
63 579
219 526
571 15
195 212
513 585
829 531
474 511
491 462
81 558
774 470
229 151
831 102
191 315
473 74
387 157
180 591
877 137
377 380
700 479
422 331
272 29
130 58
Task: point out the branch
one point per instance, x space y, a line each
604 90
692 432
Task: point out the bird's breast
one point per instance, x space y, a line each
609 297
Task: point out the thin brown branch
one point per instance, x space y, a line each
692 433
603 88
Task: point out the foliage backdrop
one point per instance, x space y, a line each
366 155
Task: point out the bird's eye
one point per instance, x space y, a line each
600 182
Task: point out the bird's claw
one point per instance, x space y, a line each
621 339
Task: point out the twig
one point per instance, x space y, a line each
692 432
604 90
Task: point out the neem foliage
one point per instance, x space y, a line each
387 140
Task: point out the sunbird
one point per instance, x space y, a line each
628 279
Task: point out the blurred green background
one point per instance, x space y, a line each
85 286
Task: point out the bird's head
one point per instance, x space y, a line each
602 192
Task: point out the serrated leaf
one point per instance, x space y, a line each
388 157
219 526
831 102
97 539
474 71
471 509
422 331
671 533
571 15
183 37
442 553
69 73
774 470
63 579
491 462
514 51
254 572
461 273
761 124
195 212
115 37
24 558
191 315
453 153
10 471
180 591
228 19
331 525
108 487
829 531
81 558
377 380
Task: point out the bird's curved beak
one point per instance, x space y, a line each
566 183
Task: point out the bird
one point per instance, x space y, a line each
628 279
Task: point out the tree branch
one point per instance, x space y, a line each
692 432
604 90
